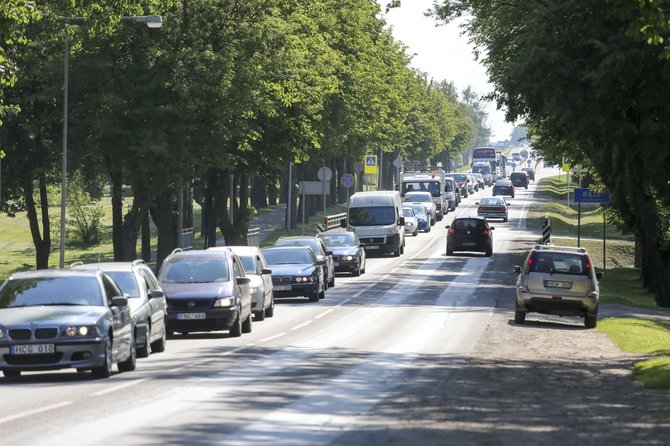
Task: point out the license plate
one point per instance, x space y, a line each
557 284
469 243
371 247
34 349
282 287
336 263
190 316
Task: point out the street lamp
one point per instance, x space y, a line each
151 21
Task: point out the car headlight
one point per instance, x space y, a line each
349 258
303 279
84 331
2 333
252 290
225 302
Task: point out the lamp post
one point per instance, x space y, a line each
151 21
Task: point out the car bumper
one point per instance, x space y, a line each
410 228
84 354
556 305
296 290
492 214
343 266
214 320
471 246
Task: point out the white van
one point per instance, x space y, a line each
377 219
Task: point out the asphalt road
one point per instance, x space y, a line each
316 373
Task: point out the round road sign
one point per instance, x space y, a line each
324 174
347 180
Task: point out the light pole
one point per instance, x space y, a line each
151 21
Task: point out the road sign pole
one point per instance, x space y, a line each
604 262
579 224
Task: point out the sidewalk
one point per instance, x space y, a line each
268 222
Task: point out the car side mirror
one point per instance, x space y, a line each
476 203
119 301
447 227
401 221
156 294
491 228
243 280
343 223
329 253
321 262
266 271
599 275
517 269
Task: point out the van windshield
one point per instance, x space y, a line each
422 186
372 216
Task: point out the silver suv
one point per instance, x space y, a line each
557 280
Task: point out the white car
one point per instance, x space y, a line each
426 199
411 222
260 287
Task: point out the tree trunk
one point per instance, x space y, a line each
645 214
209 214
164 215
42 244
259 198
146 238
235 232
117 215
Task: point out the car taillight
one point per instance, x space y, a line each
591 296
486 232
452 231
531 259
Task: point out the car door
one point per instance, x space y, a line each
266 278
245 295
157 305
329 258
122 327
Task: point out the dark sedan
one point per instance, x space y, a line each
296 272
348 254
471 234
57 319
503 187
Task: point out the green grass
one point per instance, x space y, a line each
310 227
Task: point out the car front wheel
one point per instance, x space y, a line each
236 330
105 370
246 325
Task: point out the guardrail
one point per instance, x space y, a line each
254 237
186 241
333 221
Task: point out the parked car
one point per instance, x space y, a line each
426 199
57 319
461 180
296 271
530 172
558 280
206 291
470 234
411 222
348 253
260 287
146 300
422 218
503 187
319 249
452 194
493 207
519 179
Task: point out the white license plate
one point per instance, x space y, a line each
371 247
336 263
557 284
469 244
190 316
34 349
282 287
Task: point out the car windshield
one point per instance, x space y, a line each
560 263
407 212
39 291
431 186
419 210
339 239
491 201
469 224
126 281
372 216
448 186
287 256
418 196
483 169
312 243
518 175
249 264
460 177
195 270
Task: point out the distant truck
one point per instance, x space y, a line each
485 161
377 219
429 180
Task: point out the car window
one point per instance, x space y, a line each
126 281
490 201
372 215
418 196
287 256
407 212
195 270
149 278
238 268
560 263
111 289
340 239
468 224
249 264
72 290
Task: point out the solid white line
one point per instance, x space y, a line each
119 387
349 300
323 314
273 337
34 412
304 324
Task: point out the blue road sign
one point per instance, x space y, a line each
584 195
347 180
371 160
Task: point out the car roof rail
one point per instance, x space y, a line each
560 248
77 263
138 262
176 250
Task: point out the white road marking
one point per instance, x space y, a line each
304 324
273 337
119 387
324 314
34 412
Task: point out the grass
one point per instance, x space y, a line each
310 227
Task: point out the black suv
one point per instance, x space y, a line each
519 179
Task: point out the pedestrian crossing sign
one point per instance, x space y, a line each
370 164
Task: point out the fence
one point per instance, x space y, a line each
254 237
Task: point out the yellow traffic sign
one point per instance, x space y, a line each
370 163
566 166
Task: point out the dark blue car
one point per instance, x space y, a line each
296 272
421 216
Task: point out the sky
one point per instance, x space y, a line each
444 54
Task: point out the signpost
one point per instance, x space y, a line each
324 174
584 195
